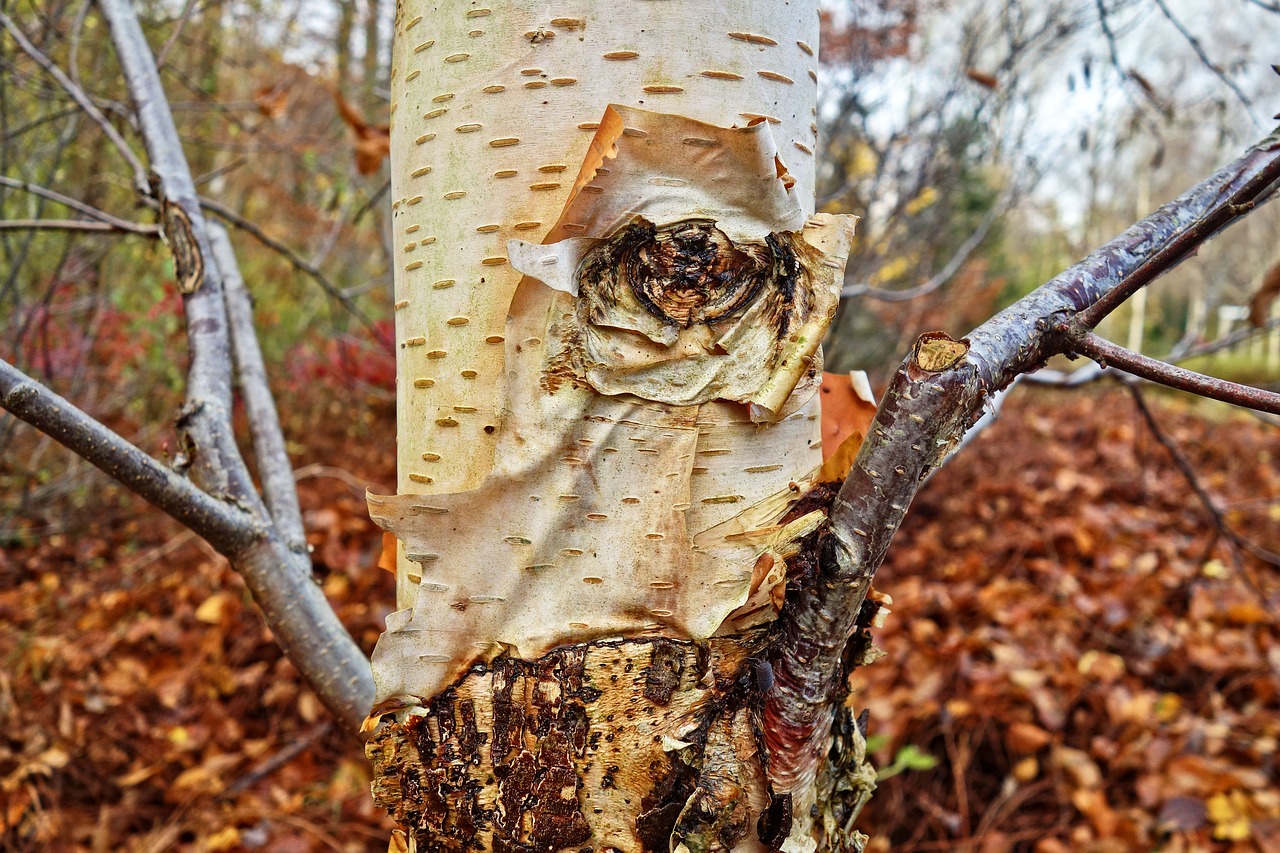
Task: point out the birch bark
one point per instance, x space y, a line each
611 289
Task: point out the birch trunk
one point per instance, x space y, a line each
611 290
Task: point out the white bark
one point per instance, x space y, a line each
495 107
611 292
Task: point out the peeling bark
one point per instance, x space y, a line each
627 745
610 311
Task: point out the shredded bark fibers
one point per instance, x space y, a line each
523 756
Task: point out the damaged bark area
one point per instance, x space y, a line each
627 745
662 358
684 273
592 746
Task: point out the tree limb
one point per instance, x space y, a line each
218 466
934 398
274 469
1108 354
280 580
226 527
1221 213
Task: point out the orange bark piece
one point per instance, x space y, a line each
387 559
844 412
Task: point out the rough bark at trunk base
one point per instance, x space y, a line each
627 745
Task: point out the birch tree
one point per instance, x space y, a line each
630 593
609 309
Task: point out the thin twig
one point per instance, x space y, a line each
356 484
160 551
1239 336
81 98
78 206
371 202
1209 63
943 275
280 759
39 122
299 263
1189 474
162 58
76 225
1108 354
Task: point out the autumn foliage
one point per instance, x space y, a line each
1069 642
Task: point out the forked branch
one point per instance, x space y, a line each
939 392
263 541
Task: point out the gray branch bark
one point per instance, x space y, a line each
225 527
265 544
939 392
274 469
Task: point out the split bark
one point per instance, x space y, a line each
609 307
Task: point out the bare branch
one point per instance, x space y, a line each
280 580
1188 471
1217 214
81 98
935 397
218 466
274 469
1183 352
163 57
1108 354
226 527
78 225
943 275
1207 62
78 206
303 622
298 262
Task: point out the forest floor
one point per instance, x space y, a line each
1075 659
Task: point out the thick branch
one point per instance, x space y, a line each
217 464
226 527
274 468
1108 354
935 397
1260 168
280 580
